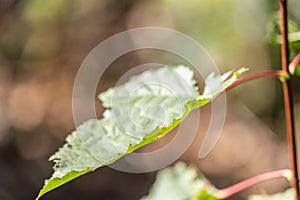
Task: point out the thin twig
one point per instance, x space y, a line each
293 64
227 192
288 98
272 73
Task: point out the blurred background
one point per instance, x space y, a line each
42 44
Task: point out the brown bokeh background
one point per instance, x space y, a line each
42 44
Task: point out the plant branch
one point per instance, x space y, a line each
227 192
273 73
288 98
293 64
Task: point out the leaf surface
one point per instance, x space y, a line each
138 112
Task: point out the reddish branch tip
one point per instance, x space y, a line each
293 64
283 75
227 192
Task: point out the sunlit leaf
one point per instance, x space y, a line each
138 112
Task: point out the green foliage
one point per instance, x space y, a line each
287 195
273 30
100 142
274 37
179 183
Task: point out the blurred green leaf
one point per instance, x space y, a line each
181 182
274 37
273 30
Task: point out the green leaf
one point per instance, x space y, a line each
273 30
142 110
287 195
182 182
215 85
274 36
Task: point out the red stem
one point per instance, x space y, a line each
288 98
293 64
273 73
227 192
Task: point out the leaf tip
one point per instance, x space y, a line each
241 71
